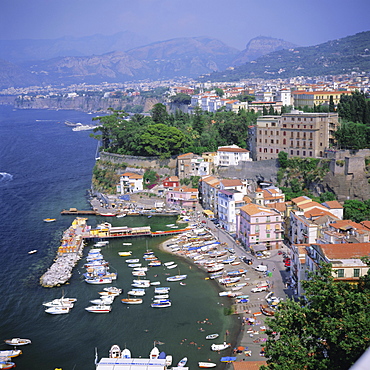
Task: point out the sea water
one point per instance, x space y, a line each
46 167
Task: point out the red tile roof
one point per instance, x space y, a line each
345 250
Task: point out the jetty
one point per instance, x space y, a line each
69 253
75 211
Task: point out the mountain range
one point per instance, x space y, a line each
127 57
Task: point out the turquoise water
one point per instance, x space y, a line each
46 167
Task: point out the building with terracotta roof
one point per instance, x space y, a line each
190 164
208 187
130 183
171 182
260 228
298 134
231 156
345 231
182 197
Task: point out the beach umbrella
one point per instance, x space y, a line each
240 348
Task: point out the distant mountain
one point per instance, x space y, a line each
14 75
351 53
188 57
25 50
260 46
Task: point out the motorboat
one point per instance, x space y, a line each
161 304
125 254
7 365
215 268
176 277
99 309
136 292
154 263
161 290
155 283
132 300
220 347
98 280
182 362
17 341
154 353
160 300
109 294
10 353
134 265
212 336
115 351
169 263
57 310
126 353
138 273
113 289
139 268
168 360
49 219
120 215
103 300
161 296
126 243
172 266
132 260
80 127
206 365
32 251
58 303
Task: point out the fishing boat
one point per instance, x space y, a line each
154 353
99 308
49 219
17 341
182 362
125 254
212 336
161 304
115 351
220 347
132 300
32 251
57 310
6 365
10 353
206 365
126 353
176 277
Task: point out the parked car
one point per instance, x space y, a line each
261 268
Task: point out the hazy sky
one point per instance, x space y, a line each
235 22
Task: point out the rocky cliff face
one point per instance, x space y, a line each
260 46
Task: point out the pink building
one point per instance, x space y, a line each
182 197
260 228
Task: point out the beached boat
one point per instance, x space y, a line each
115 351
6 365
212 336
17 341
220 347
132 300
176 277
206 365
10 353
57 310
99 309
125 254
49 219
215 268
182 362
161 304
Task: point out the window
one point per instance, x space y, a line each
356 272
268 235
340 273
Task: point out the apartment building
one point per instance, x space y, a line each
130 182
231 156
315 98
298 134
190 164
182 197
208 187
260 228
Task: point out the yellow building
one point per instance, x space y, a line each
315 98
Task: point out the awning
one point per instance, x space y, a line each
208 213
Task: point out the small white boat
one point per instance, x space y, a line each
113 289
99 309
125 254
99 281
172 266
206 365
126 353
169 263
132 260
177 278
182 362
139 268
10 353
120 215
49 219
154 353
212 336
161 296
154 263
136 293
160 300
168 360
57 310
138 273
58 303
126 243
115 351
17 341
33 251
132 300
134 265
155 283
161 304
220 347
162 290
103 301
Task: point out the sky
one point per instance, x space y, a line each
235 22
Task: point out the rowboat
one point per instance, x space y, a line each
206 365
161 305
160 300
212 336
161 290
17 341
132 300
172 266
7 365
169 263
182 362
161 296
99 308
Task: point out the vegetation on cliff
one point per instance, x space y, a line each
165 134
328 329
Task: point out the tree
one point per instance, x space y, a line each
219 92
283 159
181 98
327 330
159 113
331 104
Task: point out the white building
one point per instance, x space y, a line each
130 182
231 156
229 204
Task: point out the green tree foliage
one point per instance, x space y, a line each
327 196
328 330
159 113
181 98
219 92
353 136
355 108
356 210
283 159
150 178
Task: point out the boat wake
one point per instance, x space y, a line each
5 177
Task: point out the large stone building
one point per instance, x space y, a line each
298 134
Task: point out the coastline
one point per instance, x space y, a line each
244 333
